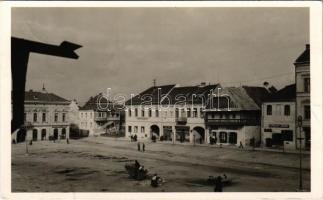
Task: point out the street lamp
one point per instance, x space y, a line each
299 124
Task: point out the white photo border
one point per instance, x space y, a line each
316 101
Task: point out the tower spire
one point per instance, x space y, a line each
44 87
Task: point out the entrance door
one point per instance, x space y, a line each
277 139
63 133
223 137
233 138
35 134
43 134
55 134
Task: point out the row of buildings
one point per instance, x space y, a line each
204 113
246 115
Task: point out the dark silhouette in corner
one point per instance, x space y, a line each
20 50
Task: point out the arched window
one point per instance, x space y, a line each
269 110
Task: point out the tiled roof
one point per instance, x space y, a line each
304 58
239 98
287 93
258 94
42 97
93 104
153 93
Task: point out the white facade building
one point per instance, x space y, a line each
99 119
278 119
303 100
169 112
45 117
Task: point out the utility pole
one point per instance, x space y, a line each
299 124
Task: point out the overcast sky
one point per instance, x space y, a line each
126 48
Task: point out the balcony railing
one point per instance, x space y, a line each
181 120
240 122
109 118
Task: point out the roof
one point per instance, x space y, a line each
97 103
239 98
304 58
152 94
170 94
258 94
288 93
42 97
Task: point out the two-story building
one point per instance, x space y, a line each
45 117
100 116
233 115
303 95
169 112
278 119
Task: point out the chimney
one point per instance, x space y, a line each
307 46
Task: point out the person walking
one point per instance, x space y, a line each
241 146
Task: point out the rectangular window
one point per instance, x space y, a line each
195 112
307 86
201 113
143 112
135 129
142 129
136 112
129 129
63 117
269 110
129 112
44 117
176 113
56 117
213 115
157 113
233 116
149 112
35 117
188 112
286 110
307 112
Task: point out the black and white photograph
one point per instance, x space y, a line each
161 100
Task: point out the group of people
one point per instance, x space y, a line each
133 138
218 182
143 146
